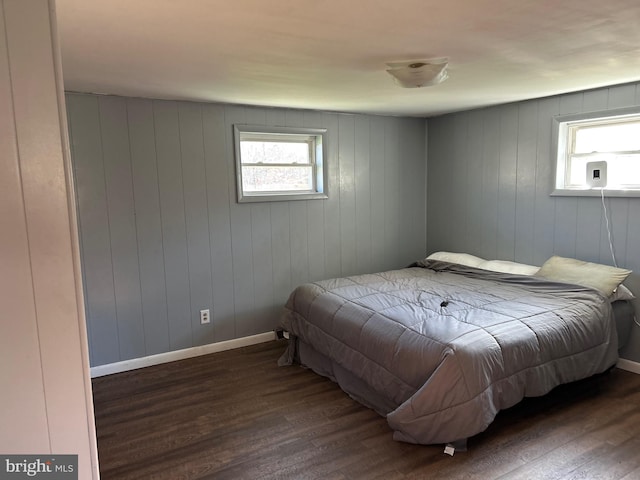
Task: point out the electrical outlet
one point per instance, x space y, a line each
205 316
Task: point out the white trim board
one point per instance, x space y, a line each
134 363
126 365
628 365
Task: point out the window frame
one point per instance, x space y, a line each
561 144
316 137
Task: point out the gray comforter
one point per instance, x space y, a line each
440 348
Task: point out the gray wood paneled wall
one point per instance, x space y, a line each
490 172
163 237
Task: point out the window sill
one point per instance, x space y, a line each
279 197
558 192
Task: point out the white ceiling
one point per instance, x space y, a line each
331 54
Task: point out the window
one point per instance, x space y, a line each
280 163
598 151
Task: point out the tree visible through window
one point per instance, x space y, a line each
280 163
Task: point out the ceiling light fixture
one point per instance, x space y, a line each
419 73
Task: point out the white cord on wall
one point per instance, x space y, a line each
613 255
606 217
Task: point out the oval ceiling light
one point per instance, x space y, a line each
419 73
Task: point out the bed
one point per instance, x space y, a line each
440 347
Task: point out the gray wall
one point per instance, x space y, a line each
163 237
489 178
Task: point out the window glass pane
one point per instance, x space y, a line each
623 170
616 137
274 152
277 179
578 169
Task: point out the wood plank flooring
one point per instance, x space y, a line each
237 415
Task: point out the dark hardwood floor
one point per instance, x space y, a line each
237 415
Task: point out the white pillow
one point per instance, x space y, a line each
459 258
505 266
621 293
594 275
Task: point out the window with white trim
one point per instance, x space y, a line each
280 163
598 152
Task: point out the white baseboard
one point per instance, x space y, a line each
628 365
159 358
